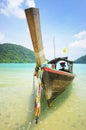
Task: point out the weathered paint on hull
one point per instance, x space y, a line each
55 83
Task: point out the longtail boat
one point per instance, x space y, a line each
57 74
56 77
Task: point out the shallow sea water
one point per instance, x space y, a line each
16 97
67 112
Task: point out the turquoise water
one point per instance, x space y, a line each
16 101
16 97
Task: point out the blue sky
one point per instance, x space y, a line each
62 20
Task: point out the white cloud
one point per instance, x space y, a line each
30 3
80 35
79 41
15 7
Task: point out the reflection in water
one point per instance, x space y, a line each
66 113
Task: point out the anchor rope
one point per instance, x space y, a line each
37 91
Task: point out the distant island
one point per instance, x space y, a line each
12 53
81 60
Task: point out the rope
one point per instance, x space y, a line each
38 73
37 92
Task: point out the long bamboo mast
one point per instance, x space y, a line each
33 20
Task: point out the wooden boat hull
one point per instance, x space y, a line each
55 82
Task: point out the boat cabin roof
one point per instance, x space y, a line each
54 61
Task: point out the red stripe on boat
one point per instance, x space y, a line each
58 72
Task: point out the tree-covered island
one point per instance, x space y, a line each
12 53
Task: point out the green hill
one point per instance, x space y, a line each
12 53
81 60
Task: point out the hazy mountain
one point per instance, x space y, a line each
82 60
